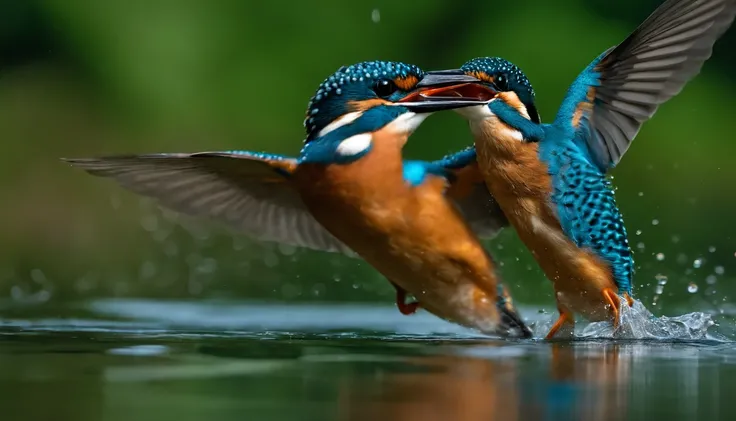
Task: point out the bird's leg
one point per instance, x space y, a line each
612 298
405 308
629 299
566 320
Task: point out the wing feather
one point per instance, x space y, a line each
250 192
631 80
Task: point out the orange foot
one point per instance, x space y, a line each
405 308
614 302
565 318
629 299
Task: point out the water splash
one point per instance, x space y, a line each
636 322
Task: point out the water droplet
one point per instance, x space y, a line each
720 270
697 263
675 239
692 288
356 286
660 256
641 194
655 221
712 249
336 279
638 232
711 279
500 246
659 289
640 246
318 290
376 15
682 258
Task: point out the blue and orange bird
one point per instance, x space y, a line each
351 191
551 179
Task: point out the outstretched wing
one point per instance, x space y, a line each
608 103
249 191
469 192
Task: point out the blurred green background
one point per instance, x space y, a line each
80 78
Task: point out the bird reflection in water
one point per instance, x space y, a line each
584 381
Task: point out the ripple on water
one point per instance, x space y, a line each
272 321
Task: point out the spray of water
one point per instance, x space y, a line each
637 322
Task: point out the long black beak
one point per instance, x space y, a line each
431 105
427 96
511 323
439 78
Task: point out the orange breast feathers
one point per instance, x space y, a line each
522 186
369 205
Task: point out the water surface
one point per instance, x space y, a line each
146 360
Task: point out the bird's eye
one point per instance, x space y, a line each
501 82
385 88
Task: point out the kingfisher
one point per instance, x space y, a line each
350 191
551 180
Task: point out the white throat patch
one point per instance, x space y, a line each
354 145
477 113
342 121
481 116
406 123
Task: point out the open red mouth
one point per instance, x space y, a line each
473 91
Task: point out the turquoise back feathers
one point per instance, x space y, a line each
586 207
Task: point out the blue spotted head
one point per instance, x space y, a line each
506 83
360 99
